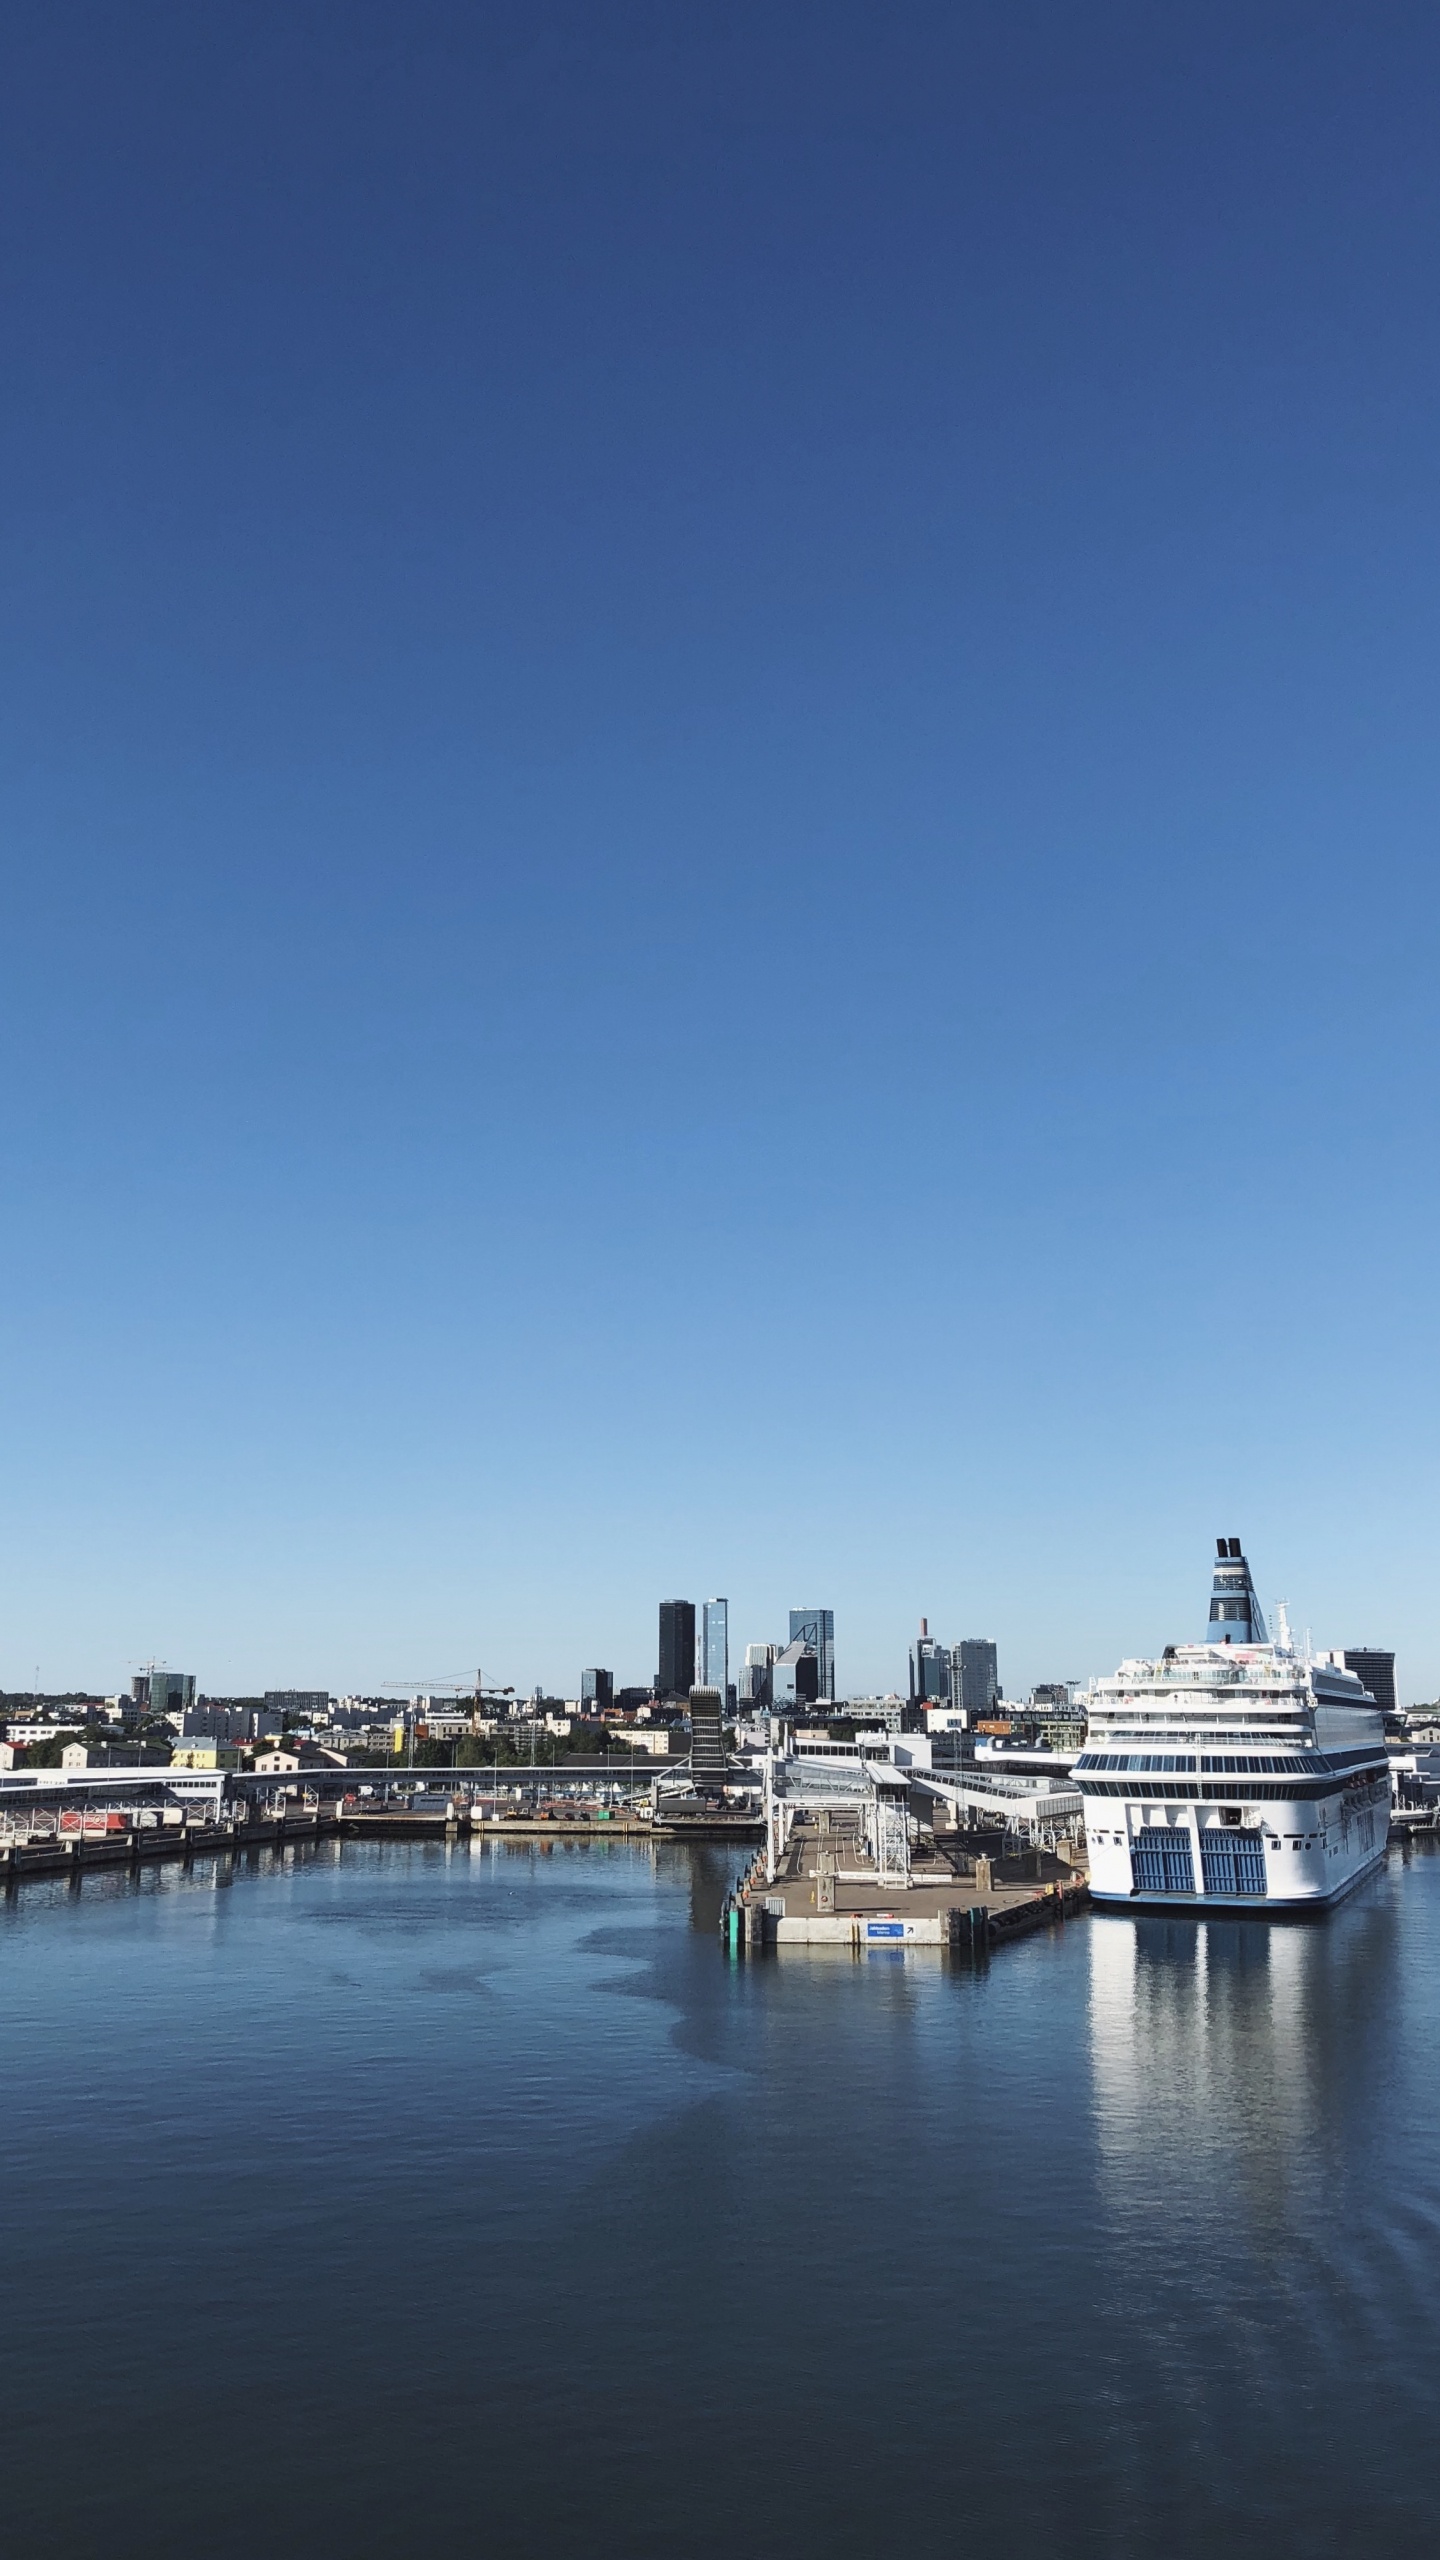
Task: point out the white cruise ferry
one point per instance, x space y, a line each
1235 1775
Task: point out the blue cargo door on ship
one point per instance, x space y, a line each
1233 1861
1160 1861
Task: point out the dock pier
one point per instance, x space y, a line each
970 1894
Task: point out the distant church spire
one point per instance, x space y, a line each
1234 1610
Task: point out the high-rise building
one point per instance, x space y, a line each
795 1678
162 1693
929 1669
1377 1670
676 1674
714 1660
754 1683
816 1627
975 1677
597 1691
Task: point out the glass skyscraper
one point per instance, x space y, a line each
715 1647
816 1627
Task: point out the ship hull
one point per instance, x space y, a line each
1260 1906
1304 1856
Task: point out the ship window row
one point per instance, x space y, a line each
1171 1687
1211 1738
1138 1760
1250 1765
1207 1790
1287 1747
1177 1714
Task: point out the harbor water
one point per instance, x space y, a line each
414 2194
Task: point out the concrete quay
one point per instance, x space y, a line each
81 1851
965 1897
91 1844
395 1822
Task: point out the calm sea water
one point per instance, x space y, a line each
472 2197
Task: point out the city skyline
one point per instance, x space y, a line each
1020 1668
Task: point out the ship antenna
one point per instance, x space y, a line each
1284 1641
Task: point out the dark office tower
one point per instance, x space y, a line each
677 1648
1234 1610
597 1690
1377 1670
816 1627
979 1668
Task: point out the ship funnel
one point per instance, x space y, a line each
1234 1610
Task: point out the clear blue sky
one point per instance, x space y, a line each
719 807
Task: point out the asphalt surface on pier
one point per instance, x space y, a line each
945 1880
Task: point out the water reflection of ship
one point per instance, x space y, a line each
1228 2061
1260 2301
